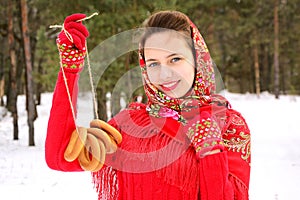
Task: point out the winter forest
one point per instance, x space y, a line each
255 45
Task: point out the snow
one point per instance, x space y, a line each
275 173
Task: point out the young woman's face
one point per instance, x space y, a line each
170 63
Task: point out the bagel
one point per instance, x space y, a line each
116 135
92 155
76 144
109 143
103 156
90 145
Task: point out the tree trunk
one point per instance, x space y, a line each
101 103
225 64
115 103
256 65
129 88
39 85
276 50
12 95
285 61
2 83
30 103
266 71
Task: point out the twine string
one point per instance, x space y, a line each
69 36
92 83
69 94
88 17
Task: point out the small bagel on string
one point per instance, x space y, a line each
76 144
93 155
89 145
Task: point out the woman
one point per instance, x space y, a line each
185 143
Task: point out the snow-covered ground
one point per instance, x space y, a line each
275 153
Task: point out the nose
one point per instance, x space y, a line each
165 72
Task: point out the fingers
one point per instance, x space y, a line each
77 28
78 32
74 17
77 40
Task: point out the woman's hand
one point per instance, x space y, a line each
205 135
71 41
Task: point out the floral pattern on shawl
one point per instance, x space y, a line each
202 95
203 87
236 136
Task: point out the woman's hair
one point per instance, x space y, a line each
166 20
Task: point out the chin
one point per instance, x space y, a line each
179 94
174 95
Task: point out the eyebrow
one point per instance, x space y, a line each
152 59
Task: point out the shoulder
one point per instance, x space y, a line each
237 141
235 122
236 134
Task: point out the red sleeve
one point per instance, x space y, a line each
214 182
237 141
226 175
61 123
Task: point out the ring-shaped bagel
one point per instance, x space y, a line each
97 123
109 144
76 144
92 154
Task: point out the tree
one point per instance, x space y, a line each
240 35
276 50
30 102
256 66
12 98
2 81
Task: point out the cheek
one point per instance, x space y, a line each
153 75
188 75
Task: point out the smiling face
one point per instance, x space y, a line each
169 63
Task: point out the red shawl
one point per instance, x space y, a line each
173 173
155 159
155 155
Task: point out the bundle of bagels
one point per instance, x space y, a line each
90 145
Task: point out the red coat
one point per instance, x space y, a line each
153 160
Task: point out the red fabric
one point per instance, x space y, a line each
204 133
61 123
71 42
153 172
214 182
77 31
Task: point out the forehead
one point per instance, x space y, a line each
170 41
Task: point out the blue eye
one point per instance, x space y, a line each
154 64
176 59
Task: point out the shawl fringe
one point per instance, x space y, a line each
106 183
240 189
150 148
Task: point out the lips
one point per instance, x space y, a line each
169 85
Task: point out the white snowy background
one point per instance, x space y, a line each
275 170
